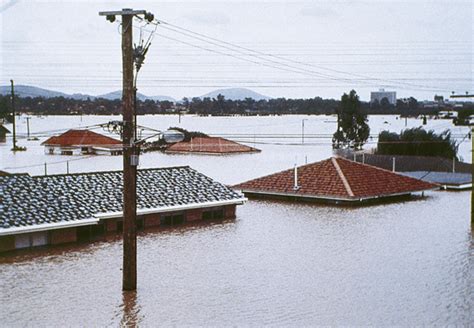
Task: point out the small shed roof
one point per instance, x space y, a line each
4 130
450 180
48 202
335 179
82 138
210 145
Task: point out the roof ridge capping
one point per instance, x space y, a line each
384 170
110 171
342 176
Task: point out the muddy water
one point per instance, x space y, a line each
277 264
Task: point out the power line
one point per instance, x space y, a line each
261 53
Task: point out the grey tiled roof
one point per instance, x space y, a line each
27 201
441 177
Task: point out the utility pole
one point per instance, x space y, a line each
130 159
28 127
13 113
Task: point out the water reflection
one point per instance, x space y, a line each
130 310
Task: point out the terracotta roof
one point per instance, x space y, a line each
211 145
82 138
336 179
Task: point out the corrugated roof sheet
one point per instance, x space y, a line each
82 138
336 178
211 145
444 178
28 201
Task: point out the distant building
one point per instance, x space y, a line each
58 209
211 146
79 142
379 95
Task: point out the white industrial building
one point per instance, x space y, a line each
379 95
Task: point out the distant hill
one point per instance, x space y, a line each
31 91
236 94
118 95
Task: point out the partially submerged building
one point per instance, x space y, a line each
334 180
80 142
56 209
211 146
3 133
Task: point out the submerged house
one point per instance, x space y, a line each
211 146
56 209
79 142
3 133
334 180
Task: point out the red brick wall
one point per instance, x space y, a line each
194 215
7 243
229 211
151 220
61 236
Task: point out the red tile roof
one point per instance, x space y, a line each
336 179
82 138
211 145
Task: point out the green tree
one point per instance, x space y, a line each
417 142
352 128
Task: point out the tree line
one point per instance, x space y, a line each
217 106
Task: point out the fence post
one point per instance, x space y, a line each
393 164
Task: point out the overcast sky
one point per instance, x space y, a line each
313 48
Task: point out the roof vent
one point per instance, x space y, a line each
295 186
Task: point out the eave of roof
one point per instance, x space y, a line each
164 209
331 197
47 226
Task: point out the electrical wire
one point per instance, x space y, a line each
264 54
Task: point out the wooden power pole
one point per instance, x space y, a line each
130 159
13 114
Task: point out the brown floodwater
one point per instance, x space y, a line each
278 263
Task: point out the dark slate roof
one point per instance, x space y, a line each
28 201
444 178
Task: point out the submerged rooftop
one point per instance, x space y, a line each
335 179
75 199
210 145
73 138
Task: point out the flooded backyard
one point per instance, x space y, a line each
277 263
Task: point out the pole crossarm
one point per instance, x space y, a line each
125 11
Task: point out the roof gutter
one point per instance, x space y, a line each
334 198
47 226
144 211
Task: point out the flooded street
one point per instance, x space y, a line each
277 263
